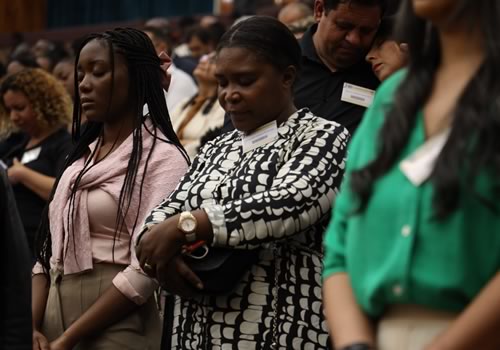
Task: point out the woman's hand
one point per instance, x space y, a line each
16 172
159 245
177 278
166 62
37 182
39 341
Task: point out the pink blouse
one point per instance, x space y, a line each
96 206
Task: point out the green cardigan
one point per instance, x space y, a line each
395 251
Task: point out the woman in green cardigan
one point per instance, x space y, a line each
412 255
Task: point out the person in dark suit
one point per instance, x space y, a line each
15 324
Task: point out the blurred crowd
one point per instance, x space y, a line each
305 175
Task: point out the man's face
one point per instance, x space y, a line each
197 47
344 34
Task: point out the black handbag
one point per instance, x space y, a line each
221 269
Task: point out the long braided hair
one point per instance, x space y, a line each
145 73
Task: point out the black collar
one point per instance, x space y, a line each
307 45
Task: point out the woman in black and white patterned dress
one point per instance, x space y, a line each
267 185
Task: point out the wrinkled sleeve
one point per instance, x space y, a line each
299 196
135 284
165 169
37 269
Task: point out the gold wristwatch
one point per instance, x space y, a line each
188 224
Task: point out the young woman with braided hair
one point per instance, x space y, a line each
99 298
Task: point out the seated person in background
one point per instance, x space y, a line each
20 61
48 53
42 46
299 27
182 85
200 42
386 55
216 31
293 12
334 71
273 196
64 71
295 16
199 113
34 102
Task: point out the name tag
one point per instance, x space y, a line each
262 136
31 155
357 95
420 164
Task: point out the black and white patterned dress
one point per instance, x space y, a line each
276 197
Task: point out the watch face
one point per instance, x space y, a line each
188 225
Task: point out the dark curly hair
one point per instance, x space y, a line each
47 96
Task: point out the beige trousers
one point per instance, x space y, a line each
409 327
71 295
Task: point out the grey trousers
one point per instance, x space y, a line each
71 295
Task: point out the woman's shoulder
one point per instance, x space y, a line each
385 92
61 133
165 162
222 137
308 122
165 149
163 146
59 138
